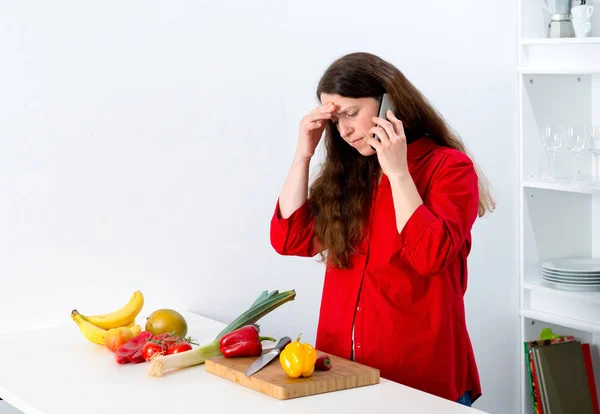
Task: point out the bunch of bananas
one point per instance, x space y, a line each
94 328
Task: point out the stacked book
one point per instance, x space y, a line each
561 378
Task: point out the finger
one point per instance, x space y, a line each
398 126
314 125
381 134
328 107
311 126
316 109
320 116
387 126
375 144
309 120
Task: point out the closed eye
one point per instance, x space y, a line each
348 115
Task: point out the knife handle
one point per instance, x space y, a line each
283 342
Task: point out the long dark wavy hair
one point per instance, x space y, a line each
340 197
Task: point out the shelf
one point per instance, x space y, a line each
547 70
563 41
566 187
589 297
560 320
558 82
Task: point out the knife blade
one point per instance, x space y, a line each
264 359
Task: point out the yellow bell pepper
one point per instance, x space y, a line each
298 359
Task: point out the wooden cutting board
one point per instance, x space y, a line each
273 381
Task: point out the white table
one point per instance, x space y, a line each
57 371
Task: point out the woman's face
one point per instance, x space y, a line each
353 118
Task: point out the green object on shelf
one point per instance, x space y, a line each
547 333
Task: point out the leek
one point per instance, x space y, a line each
264 304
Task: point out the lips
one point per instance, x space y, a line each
356 141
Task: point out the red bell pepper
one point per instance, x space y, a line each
244 341
132 350
323 363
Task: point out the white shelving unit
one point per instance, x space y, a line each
559 82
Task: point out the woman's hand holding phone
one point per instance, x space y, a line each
391 145
312 126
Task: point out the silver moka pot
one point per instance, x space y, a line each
560 18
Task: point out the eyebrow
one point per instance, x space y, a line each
343 111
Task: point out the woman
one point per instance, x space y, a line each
392 218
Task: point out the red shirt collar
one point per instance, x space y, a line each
420 147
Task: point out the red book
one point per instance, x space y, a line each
587 358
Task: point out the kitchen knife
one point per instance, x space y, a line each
264 359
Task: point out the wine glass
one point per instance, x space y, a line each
593 145
552 137
575 142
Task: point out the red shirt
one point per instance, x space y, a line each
403 293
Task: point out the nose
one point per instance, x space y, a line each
345 129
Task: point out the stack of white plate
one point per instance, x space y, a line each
582 275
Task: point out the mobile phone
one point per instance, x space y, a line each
385 104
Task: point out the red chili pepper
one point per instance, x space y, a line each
244 341
323 363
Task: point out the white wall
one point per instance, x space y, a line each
143 146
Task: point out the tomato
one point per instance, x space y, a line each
150 349
180 347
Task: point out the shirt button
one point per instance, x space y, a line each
358 346
358 308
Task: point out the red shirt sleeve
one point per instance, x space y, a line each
295 235
439 228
